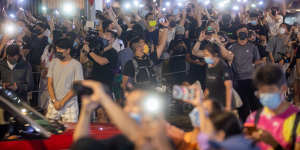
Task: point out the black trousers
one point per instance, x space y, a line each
246 89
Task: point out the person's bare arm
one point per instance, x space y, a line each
67 98
271 57
124 81
127 125
163 36
183 18
228 87
98 59
51 89
196 47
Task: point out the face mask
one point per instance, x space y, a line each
172 24
253 22
243 35
105 43
209 60
75 44
136 117
152 23
60 55
194 117
270 100
282 30
12 61
37 31
49 40
146 49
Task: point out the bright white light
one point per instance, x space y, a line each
23 110
9 29
164 9
179 4
154 1
68 9
253 5
12 16
152 104
136 3
239 0
107 1
56 12
21 9
261 3
236 8
21 1
168 4
127 6
245 1
44 8
141 5
206 2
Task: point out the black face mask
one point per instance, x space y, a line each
37 31
173 24
60 55
243 35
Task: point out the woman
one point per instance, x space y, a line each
218 78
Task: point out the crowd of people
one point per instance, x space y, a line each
240 69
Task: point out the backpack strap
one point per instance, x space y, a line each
294 130
136 69
257 115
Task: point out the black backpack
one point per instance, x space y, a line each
151 76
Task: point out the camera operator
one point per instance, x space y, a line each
105 59
16 73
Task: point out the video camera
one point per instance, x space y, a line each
95 42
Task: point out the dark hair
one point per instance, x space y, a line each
106 24
226 121
57 34
241 26
113 34
13 50
269 75
148 15
213 49
134 41
64 43
42 25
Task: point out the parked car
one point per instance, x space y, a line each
23 128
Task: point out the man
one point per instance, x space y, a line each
151 32
62 72
16 73
105 61
276 125
278 46
245 56
140 69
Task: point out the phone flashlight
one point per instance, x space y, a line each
9 28
152 105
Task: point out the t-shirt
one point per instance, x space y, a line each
279 126
129 69
152 37
105 73
277 46
37 48
215 78
244 57
63 76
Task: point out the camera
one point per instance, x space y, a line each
95 42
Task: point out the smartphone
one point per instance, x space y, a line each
162 20
182 92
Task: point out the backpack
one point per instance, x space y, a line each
151 76
294 130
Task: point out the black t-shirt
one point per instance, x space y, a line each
215 78
129 69
105 73
37 46
152 37
118 142
195 67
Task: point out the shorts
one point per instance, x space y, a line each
66 115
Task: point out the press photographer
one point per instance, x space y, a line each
103 55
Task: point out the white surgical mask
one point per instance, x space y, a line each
282 30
